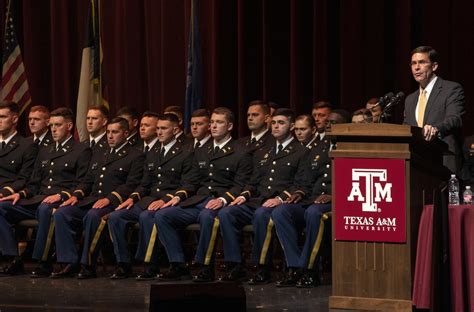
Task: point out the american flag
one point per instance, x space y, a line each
14 86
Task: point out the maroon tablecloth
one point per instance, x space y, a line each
461 248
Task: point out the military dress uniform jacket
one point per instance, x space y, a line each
114 177
318 171
17 160
220 175
45 142
136 141
266 140
277 174
162 177
98 150
57 173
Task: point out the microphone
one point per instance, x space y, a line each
394 100
383 100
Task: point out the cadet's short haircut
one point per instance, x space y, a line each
11 106
263 106
285 112
171 118
104 111
150 114
229 115
129 111
309 119
201 112
121 121
40 108
322 104
345 115
64 112
432 53
174 109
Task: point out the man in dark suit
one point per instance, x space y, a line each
437 106
61 167
217 176
131 115
258 116
100 192
164 169
275 176
38 122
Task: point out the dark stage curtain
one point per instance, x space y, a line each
292 52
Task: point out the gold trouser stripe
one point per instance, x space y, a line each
212 242
151 244
266 242
317 244
110 234
96 238
49 238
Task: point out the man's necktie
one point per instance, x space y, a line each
197 145
92 143
162 153
253 141
37 141
421 108
280 148
3 144
147 148
112 151
317 139
216 150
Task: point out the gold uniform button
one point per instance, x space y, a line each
100 183
209 187
274 162
103 168
49 186
100 192
325 175
270 179
272 171
158 175
157 189
269 187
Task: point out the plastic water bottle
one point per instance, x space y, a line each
453 190
467 196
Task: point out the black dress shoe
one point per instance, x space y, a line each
43 270
87 272
122 271
205 275
149 273
14 268
289 279
236 273
69 270
262 277
309 280
176 273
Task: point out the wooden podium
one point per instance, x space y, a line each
370 275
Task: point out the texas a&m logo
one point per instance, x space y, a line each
375 190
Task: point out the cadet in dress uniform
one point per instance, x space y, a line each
258 115
305 130
185 139
101 191
96 124
131 115
61 167
217 176
276 175
38 120
309 212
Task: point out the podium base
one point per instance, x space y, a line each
369 304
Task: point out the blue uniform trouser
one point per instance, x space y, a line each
209 228
45 233
232 219
169 221
118 225
12 214
289 220
148 235
262 236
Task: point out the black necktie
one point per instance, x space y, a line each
112 151
37 141
147 148
162 153
58 147
92 143
318 138
216 150
3 144
253 141
197 144
280 148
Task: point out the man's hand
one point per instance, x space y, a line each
13 197
323 199
293 199
175 201
70 202
430 132
238 201
157 204
273 202
101 203
214 204
51 199
125 205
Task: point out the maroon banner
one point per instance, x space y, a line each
370 199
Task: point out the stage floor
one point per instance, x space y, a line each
22 293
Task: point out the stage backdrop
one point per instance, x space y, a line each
290 52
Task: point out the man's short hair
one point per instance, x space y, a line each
150 114
129 111
229 115
366 113
174 109
170 117
345 115
40 108
64 112
373 100
201 112
273 105
322 104
308 118
285 112
104 111
432 53
262 104
123 123
10 105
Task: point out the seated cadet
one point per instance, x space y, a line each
258 116
148 125
38 120
96 124
217 176
275 176
180 136
61 167
200 122
164 167
99 193
290 218
305 130
130 114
